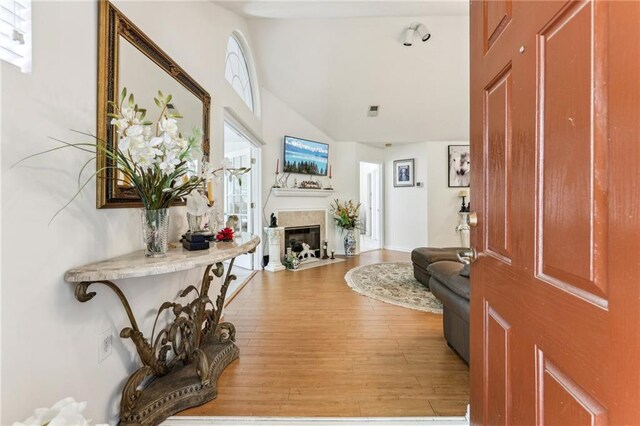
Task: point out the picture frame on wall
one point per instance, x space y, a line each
459 166
403 173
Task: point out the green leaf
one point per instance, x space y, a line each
123 94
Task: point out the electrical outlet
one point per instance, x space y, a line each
105 345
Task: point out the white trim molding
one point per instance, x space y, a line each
333 421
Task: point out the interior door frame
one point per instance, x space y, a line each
378 186
230 118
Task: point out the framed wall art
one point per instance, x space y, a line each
459 166
403 173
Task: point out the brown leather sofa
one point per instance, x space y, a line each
448 280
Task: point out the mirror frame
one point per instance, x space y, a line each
112 24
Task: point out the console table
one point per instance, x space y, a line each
180 363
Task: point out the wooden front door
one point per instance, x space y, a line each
555 141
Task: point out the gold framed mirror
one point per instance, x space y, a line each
128 58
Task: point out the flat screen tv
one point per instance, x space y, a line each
305 157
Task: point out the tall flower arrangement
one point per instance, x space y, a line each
154 156
151 156
346 215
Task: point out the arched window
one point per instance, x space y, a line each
237 71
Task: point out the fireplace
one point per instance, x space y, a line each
296 219
295 236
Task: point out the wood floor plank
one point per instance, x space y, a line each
310 346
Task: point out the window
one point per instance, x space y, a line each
15 33
237 71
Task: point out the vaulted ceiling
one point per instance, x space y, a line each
330 62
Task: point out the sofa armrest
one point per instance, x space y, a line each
424 256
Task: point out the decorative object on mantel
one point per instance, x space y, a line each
393 283
180 363
310 184
346 218
67 411
273 238
274 221
330 187
225 235
276 183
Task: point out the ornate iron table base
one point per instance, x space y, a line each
182 362
181 389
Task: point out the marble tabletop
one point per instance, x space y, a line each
177 259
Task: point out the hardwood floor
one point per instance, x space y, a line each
310 346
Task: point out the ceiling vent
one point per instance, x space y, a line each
373 111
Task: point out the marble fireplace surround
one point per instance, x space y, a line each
303 217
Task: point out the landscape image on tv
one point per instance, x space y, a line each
305 157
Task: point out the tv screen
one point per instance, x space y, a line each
305 157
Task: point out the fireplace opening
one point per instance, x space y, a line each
296 235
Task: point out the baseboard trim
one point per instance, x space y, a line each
397 248
290 421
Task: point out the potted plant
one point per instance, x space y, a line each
346 217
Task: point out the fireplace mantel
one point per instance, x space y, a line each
299 192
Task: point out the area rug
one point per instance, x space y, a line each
393 283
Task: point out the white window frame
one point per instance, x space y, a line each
251 72
15 33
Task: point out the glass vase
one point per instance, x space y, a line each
350 243
155 232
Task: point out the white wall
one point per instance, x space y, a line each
426 216
444 202
49 339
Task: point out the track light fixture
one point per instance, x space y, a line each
410 33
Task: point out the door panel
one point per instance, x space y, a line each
497 15
498 378
497 171
561 401
555 137
568 142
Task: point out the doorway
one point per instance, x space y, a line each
370 206
240 195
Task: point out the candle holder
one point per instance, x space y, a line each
325 248
464 208
276 183
330 186
332 255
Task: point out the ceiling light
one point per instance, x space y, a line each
408 36
422 31
410 33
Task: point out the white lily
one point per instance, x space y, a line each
168 125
